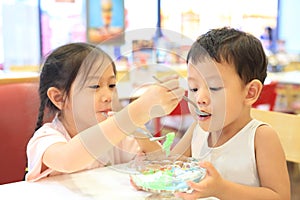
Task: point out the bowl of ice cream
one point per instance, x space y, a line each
165 175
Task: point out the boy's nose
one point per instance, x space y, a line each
202 97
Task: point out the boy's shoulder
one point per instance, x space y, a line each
265 134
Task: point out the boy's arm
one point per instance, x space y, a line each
272 170
271 162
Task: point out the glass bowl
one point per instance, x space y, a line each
163 175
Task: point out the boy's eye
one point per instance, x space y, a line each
94 86
215 88
193 89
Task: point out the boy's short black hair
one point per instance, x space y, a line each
233 46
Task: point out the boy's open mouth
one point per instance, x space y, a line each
204 114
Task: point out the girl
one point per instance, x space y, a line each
78 84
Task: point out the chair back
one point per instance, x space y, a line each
267 98
288 129
19 104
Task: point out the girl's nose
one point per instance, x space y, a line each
106 96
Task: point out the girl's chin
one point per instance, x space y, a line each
100 118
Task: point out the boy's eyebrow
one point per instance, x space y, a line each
209 77
190 78
213 78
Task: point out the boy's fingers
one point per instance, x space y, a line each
210 169
187 196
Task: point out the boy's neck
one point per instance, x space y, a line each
220 137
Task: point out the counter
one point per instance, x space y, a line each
18 77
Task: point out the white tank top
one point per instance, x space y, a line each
235 160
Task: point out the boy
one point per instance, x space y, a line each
243 156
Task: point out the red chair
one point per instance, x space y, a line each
19 105
181 109
267 98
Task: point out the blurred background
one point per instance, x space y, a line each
29 29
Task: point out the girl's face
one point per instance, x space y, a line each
90 100
218 90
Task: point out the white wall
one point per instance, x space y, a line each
288 24
20 31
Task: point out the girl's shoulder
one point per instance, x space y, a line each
54 129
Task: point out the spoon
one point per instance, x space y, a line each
197 111
149 135
141 130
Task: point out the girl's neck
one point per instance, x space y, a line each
67 125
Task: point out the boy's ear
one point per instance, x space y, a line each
56 96
253 90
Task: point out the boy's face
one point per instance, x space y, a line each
89 101
218 90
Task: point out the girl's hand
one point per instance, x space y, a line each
208 187
134 185
158 100
139 157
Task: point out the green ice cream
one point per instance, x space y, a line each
168 142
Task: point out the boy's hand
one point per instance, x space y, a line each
209 186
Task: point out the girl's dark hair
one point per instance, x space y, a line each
235 47
60 70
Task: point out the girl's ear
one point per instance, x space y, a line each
253 90
56 96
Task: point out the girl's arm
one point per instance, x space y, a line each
84 148
147 146
92 143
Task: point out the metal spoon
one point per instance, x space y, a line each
197 111
146 132
149 135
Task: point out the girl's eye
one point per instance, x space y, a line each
215 88
193 89
94 86
112 85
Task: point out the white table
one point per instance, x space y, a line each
101 183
